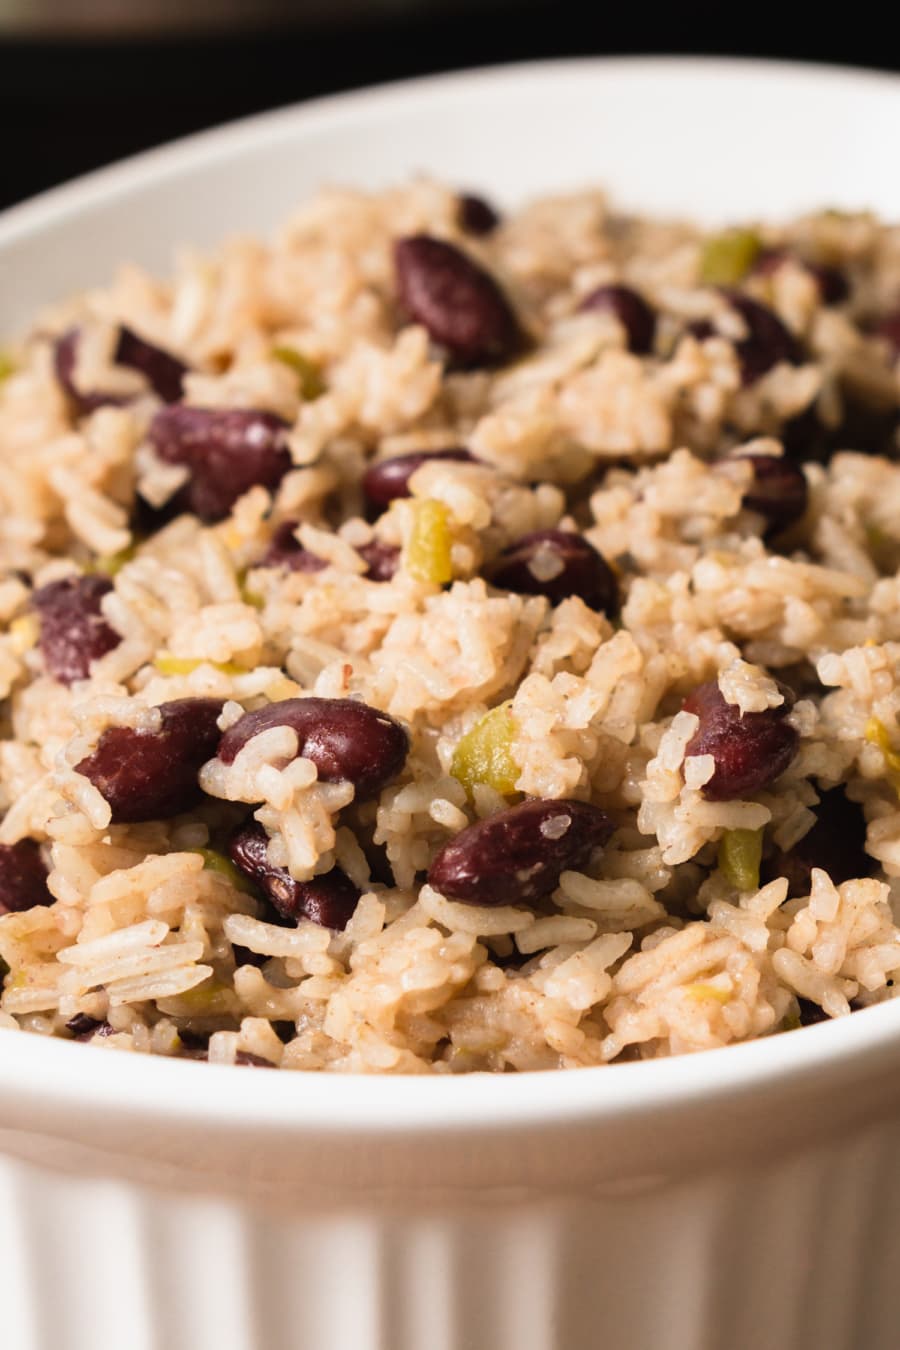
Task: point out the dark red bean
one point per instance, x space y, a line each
749 750
388 479
381 560
163 372
477 216
23 877
152 775
345 739
805 438
558 564
227 450
631 310
517 856
832 283
327 900
65 353
868 429
84 1028
768 341
459 303
810 1013
836 843
779 491
73 630
285 550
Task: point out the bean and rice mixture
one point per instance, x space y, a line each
433 641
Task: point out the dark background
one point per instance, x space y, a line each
70 102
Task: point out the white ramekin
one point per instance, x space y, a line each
734 1200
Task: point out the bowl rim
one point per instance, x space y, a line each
126 175
39 1069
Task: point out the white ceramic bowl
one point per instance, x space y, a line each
742 1198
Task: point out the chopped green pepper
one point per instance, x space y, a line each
484 754
311 383
876 733
167 664
728 257
214 861
740 853
111 563
428 554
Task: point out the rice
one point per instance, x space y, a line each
738 477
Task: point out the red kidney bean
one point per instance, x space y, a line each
73 630
23 877
85 1028
477 216
558 564
163 372
768 341
152 775
517 856
459 304
381 560
285 550
346 740
749 750
387 479
328 900
836 843
779 491
65 352
831 281
869 429
811 1013
227 451
631 310
833 285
